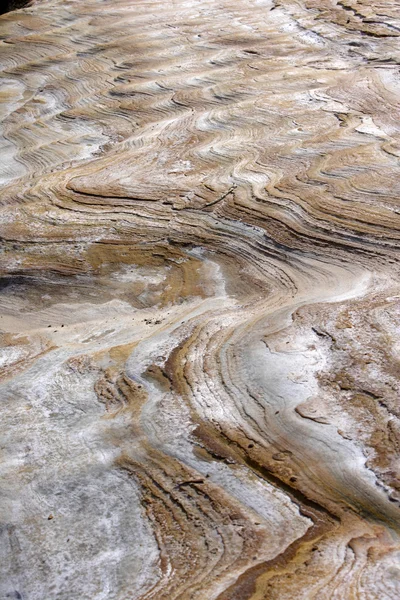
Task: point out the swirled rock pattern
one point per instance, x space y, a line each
200 224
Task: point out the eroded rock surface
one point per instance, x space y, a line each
200 287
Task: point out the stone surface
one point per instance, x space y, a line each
199 305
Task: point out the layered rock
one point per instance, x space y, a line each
200 300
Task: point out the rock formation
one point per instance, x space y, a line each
200 286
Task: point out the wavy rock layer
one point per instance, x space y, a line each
200 224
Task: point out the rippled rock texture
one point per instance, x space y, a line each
200 286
